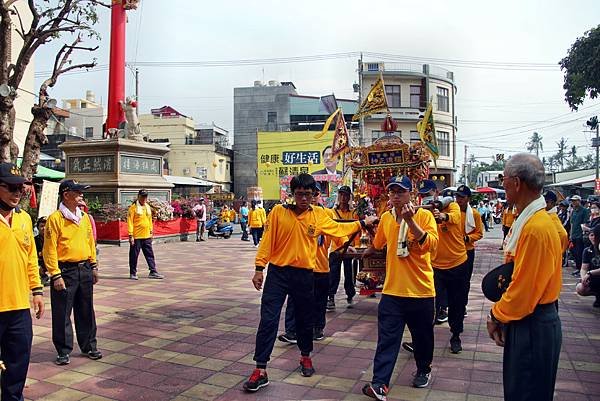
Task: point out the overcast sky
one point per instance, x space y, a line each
497 107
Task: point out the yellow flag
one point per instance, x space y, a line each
374 102
327 124
427 132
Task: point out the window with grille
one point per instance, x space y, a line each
415 96
443 99
443 140
392 93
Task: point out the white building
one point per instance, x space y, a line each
409 87
85 116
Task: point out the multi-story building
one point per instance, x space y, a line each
409 88
26 90
274 107
86 117
196 152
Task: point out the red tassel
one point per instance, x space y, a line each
32 197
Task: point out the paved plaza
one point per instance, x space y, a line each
191 337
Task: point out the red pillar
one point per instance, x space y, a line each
116 73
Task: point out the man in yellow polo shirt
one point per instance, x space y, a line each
450 267
18 279
408 296
525 320
139 226
321 275
289 247
470 221
70 257
509 214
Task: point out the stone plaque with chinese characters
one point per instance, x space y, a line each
140 165
92 164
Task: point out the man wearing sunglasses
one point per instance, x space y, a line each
70 256
18 277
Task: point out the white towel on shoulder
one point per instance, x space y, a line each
402 249
512 238
469 220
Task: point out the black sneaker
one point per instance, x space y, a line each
596 303
455 345
306 366
408 346
350 302
156 276
442 316
288 338
421 380
330 304
379 392
62 360
256 381
318 335
94 355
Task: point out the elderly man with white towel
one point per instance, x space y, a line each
525 320
473 228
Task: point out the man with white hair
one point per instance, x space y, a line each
525 319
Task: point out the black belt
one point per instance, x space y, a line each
70 265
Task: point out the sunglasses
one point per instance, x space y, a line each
14 188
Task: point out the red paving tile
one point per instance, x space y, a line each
221 299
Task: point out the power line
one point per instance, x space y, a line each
478 64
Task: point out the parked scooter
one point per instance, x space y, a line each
218 230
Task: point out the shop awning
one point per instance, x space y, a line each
45 172
190 181
575 181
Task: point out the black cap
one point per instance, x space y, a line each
71 185
401 181
550 196
318 188
427 186
496 281
463 190
345 189
10 174
143 192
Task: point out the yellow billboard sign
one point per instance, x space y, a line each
282 155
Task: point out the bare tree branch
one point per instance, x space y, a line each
21 31
9 3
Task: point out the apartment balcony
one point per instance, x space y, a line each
375 68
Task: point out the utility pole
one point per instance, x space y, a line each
465 174
137 86
593 123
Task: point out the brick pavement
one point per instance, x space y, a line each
191 337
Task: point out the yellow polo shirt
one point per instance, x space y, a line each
19 272
139 225
65 241
411 276
475 234
257 217
451 250
537 275
291 240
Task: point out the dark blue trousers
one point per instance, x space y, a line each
392 315
280 283
77 297
16 336
257 233
335 272
321 289
145 245
455 283
531 352
470 265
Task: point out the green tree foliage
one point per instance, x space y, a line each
582 69
535 144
